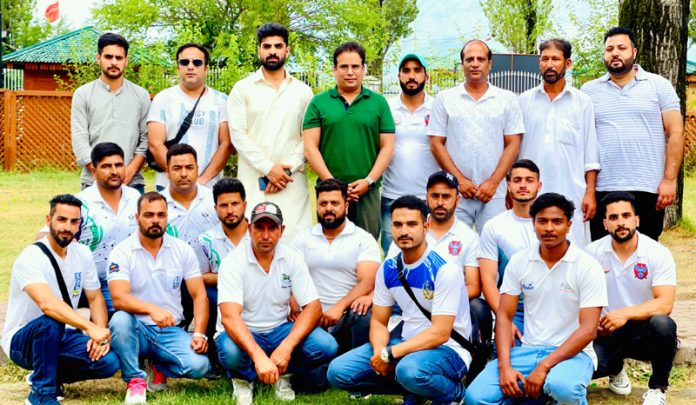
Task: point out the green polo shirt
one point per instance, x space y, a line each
349 140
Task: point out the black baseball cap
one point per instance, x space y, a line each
443 177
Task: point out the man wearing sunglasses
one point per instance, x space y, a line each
111 109
208 133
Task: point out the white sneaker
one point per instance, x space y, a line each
243 392
137 387
655 397
620 384
283 388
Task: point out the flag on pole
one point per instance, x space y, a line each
52 12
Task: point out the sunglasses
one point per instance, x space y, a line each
196 62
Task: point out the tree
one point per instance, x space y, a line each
662 46
518 23
21 30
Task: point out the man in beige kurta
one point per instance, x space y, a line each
265 112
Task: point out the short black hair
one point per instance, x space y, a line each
350 46
228 185
524 164
206 54
103 150
621 31
67 199
461 53
558 43
332 185
552 200
616 196
150 196
272 30
181 149
410 202
110 38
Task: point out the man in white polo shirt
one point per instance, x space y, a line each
426 360
342 260
43 332
560 136
564 292
475 131
254 338
641 282
411 112
145 276
640 132
506 234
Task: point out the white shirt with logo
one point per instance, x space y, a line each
630 284
264 296
554 297
188 223
504 235
333 266
33 267
156 280
213 246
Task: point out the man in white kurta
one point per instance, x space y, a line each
265 113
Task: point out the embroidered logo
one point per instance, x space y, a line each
176 282
77 287
428 290
285 281
640 270
427 119
528 286
455 247
566 288
113 268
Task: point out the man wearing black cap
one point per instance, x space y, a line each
411 112
255 339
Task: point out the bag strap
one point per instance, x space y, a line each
59 276
186 124
456 336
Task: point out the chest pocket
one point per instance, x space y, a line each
567 132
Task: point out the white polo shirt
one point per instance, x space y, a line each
188 224
264 297
630 284
504 235
213 246
437 285
33 267
560 138
101 227
554 297
459 245
411 147
333 266
475 129
155 279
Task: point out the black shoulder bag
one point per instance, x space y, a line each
59 276
478 351
150 158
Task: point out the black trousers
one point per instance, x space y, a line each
653 340
651 220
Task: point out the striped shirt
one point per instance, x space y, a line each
630 131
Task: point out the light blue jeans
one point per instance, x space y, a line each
566 382
435 374
316 349
170 348
386 236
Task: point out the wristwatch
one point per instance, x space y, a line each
386 355
370 182
200 335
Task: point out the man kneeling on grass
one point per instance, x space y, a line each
426 361
254 338
43 331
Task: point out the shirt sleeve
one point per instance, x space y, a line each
222 106
438 117
666 271
471 254
449 290
312 118
511 279
592 284
204 252
189 262
89 274
230 280
369 250
488 248
386 120
247 149
382 296
28 268
667 96
141 149
297 243
296 158
393 250
79 128
302 285
591 148
514 124
158 112
119 265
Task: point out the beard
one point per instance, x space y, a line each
331 224
441 217
112 75
555 77
626 66
411 92
620 239
152 232
61 241
273 65
232 224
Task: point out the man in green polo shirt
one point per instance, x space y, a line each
349 135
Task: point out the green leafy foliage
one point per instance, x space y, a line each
20 28
518 23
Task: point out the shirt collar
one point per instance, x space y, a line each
641 74
168 195
349 229
566 90
490 92
570 256
92 194
136 245
641 249
364 92
251 258
426 102
257 76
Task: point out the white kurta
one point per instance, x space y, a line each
266 128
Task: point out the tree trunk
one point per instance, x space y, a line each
661 28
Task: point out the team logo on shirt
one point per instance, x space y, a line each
427 119
528 286
285 281
640 270
455 247
77 287
428 290
113 268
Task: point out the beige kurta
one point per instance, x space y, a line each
266 128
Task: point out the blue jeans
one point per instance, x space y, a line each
435 374
316 349
386 236
566 382
110 310
170 348
57 355
212 323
